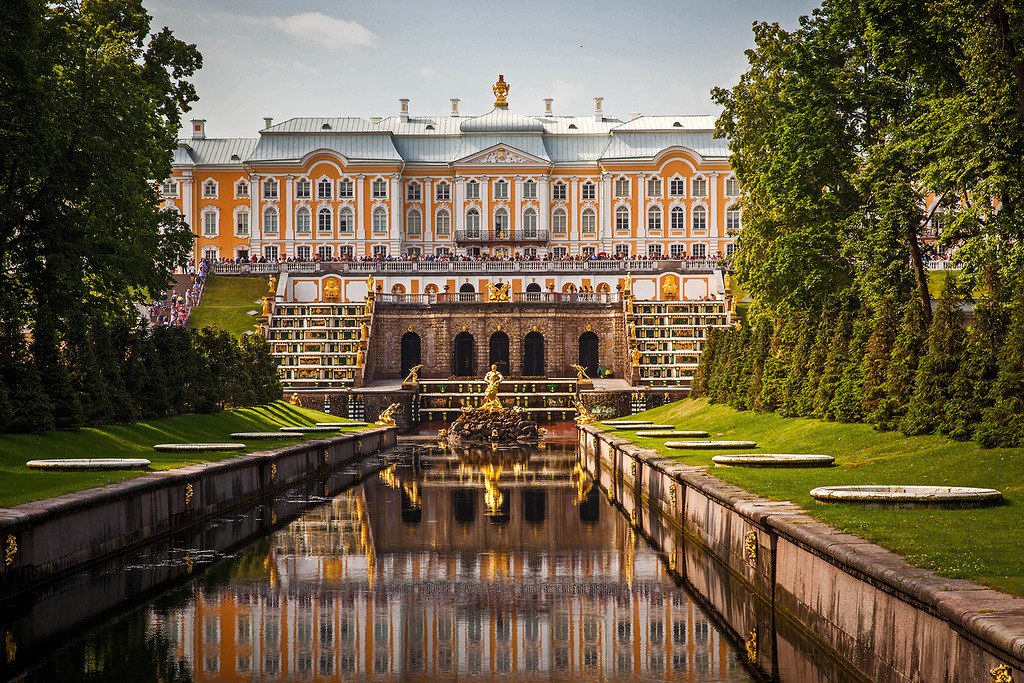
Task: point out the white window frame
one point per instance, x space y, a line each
677 251
413 223
699 218
654 216
529 222
346 189
677 186
271 188
733 219
530 189
271 221
654 251
211 189
380 251
677 219
346 220
346 251
501 189
303 189
325 252
588 190
559 252
502 224
654 187
559 191
304 251
169 188
622 249
211 222
588 251
413 192
622 222
211 253
379 188
380 221
588 222
732 186
472 190
324 188
473 222
559 221
622 187
699 250
240 230
443 191
699 186
443 223
271 252
303 221
242 189
324 221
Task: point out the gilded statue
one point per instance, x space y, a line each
295 400
364 331
360 358
413 378
500 90
386 419
627 285
632 329
494 380
581 375
637 354
583 416
369 284
266 306
332 289
272 285
497 293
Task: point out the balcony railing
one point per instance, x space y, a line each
516 297
502 236
432 267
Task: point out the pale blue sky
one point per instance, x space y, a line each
321 58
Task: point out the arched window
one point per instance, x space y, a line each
169 188
303 221
413 192
678 219
443 192
473 223
533 355
380 219
501 222
443 223
529 223
346 220
677 187
323 188
241 189
270 189
242 222
345 189
733 221
559 222
501 190
324 220
559 191
622 187
413 223
209 222
732 187
210 188
654 219
654 187
622 218
700 218
588 223
302 189
270 220
472 190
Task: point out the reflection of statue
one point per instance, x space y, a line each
637 354
497 293
583 416
494 380
500 90
266 306
385 419
272 285
413 378
581 375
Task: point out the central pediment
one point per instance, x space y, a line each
502 155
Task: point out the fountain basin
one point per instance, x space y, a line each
299 430
264 435
617 423
909 496
774 460
679 433
710 445
634 427
342 424
197 447
89 464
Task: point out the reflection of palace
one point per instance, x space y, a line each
383 583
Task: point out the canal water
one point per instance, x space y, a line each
419 564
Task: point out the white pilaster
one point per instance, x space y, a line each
287 220
360 228
544 195
516 221
605 217
573 231
713 210
255 215
641 213
459 204
485 205
396 231
187 208
428 212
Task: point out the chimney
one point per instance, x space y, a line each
598 113
547 106
634 115
455 106
268 121
404 109
198 129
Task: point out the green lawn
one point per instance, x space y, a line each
19 484
985 545
226 303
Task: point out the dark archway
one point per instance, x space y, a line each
533 287
533 355
410 352
467 288
499 352
463 356
590 347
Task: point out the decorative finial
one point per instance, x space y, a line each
500 91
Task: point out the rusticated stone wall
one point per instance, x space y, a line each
437 326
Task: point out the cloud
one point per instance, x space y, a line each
318 28
426 72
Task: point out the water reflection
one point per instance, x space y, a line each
441 566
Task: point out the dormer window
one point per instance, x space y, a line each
589 190
677 125
346 190
472 190
169 188
323 188
270 189
303 189
412 192
380 189
444 192
235 157
430 126
530 189
572 126
559 191
622 187
210 189
326 126
501 190
241 189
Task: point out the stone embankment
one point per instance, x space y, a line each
883 617
48 537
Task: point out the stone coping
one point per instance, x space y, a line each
775 460
265 435
944 496
198 447
342 424
635 427
989 615
89 464
665 434
300 430
710 445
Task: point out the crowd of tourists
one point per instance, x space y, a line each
431 258
173 310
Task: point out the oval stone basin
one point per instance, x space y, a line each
619 423
309 429
774 460
678 433
89 464
264 435
197 447
342 424
909 496
629 428
710 445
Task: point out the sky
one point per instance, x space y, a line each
323 58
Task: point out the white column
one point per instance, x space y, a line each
544 195
287 220
605 217
641 214
485 205
574 209
713 210
359 227
517 220
459 204
187 209
255 215
428 213
396 231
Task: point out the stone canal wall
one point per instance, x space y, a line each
888 620
55 535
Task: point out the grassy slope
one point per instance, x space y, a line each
225 302
19 484
985 545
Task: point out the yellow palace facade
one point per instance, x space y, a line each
498 184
